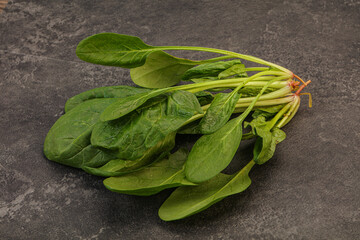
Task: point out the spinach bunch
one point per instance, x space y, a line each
127 134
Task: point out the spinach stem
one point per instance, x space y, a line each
242 117
225 52
280 114
291 113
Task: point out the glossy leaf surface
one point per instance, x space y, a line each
103 92
188 200
130 137
267 139
68 141
212 153
160 70
120 167
113 49
219 112
166 173
128 104
209 69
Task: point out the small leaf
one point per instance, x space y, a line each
204 97
219 112
166 173
188 200
160 70
113 49
103 92
209 69
237 69
265 145
267 112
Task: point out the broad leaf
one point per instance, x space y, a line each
188 200
166 173
113 49
120 167
160 70
219 112
128 104
209 69
212 153
103 92
130 137
68 141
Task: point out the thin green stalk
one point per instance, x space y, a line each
212 59
280 114
272 95
265 103
256 69
291 113
225 52
242 117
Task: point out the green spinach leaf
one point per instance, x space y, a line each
163 174
128 104
267 139
238 70
113 49
131 136
213 152
219 112
208 69
68 141
188 200
161 70
267 112
118 167
103 92
204 97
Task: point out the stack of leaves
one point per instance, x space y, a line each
127 134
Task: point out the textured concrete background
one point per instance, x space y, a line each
309 190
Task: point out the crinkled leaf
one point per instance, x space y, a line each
118 167
163 174
266 143
103 92
130 137
204 97
237 69
128 104
188 200
209 69
68 141
161 70
267 112
191 128
113 49
219 112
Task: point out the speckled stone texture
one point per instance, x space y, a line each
309 190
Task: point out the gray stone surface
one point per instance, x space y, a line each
309 190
